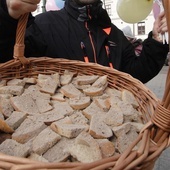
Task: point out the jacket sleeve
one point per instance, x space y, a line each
35 42
150 61
7 33
8 27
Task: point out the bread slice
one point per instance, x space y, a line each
137 126
80 102
104 96
129 112
85 149
5 107
59 97
43 77
48 117
125 140
59 152
100 82
104 104
122 129
78 86
65 120
98 129
54 76
50 86
114 100
62 108
69 130
70 91
6 96
42 100
78 118
49 137
49 83
27 130
96 89
16 82
91 110
113 92
3 83
30 80
37 157
93 91
13 148
84 138
14 90
43 104
128 97
33 90
86 79
114 117
107 147
24 103
16 118
66 78
115 95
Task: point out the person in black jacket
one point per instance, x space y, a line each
82 30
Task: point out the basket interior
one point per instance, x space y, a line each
116 79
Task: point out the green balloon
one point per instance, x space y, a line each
133 11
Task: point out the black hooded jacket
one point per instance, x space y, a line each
79 33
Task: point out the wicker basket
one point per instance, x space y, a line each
153 139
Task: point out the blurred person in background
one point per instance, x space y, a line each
137 43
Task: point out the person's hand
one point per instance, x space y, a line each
159 27
16 8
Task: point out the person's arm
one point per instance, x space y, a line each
153 54
149 63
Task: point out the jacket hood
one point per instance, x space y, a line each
92 12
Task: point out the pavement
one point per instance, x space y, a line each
157 86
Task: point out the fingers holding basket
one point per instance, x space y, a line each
160 27
16 8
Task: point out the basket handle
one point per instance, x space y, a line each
19 46
166 97
161 116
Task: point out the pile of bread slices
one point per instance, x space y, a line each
56 118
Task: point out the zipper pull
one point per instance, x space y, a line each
108 55
86 59
107 50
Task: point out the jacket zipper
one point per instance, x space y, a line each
90 36
108 55
107 46
86 59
